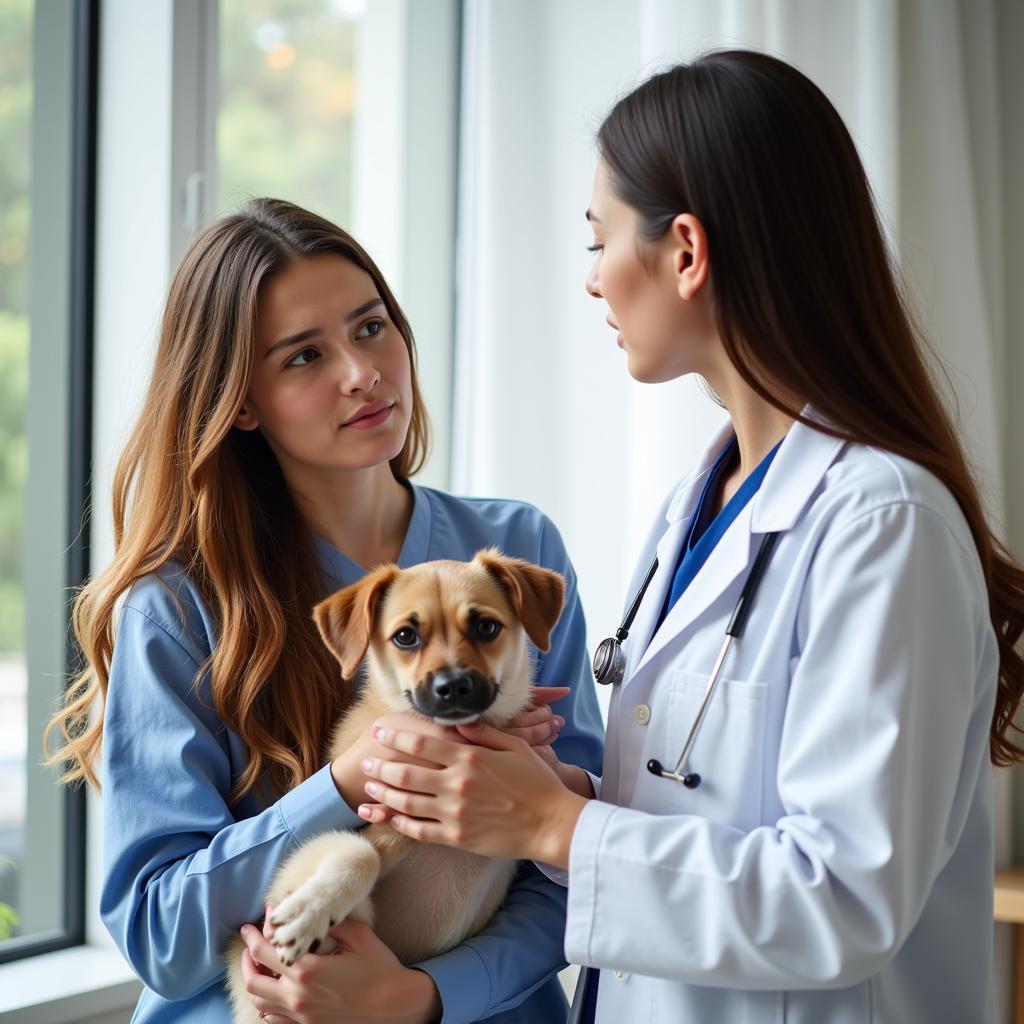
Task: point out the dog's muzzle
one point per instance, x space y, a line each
454 694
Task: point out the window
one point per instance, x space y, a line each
46 102
15 108
287 95
329 128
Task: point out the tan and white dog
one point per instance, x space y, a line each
447 640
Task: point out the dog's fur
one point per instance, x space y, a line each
421 899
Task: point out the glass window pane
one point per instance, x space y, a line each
40 175
287 92
15 149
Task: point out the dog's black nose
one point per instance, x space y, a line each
455 693
451 687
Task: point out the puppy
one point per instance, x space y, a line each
447 640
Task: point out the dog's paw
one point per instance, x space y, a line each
301 923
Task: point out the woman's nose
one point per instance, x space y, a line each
357 374
591 283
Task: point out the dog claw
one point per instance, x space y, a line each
300 926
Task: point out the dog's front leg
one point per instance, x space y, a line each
326 880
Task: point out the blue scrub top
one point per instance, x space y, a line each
184 869
707 528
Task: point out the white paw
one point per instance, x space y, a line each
301 923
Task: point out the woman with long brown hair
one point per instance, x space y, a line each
822 659
269 466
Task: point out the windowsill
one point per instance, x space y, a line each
70 985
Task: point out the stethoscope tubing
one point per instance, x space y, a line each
737 623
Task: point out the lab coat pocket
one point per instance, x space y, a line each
728 753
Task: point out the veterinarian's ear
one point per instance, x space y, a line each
346 619
536 594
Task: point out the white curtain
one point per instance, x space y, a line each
545 409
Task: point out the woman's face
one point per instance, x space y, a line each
664 328
331 384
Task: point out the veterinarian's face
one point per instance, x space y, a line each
449 645
662 335
331 382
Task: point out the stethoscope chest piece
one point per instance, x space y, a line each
609 662
610 659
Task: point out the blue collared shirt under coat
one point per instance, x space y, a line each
183 870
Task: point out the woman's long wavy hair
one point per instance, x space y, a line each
805 295
192 487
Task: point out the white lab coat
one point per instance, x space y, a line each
835 865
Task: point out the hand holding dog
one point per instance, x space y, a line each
346 771
537 725
496 796
361 983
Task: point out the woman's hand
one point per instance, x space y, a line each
496 797
362 982
538 725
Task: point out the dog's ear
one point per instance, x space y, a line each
346 619
536 594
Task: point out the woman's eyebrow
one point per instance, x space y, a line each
312 332
364 308
593 217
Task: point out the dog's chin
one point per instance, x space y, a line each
452 719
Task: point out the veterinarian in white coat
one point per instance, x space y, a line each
834 864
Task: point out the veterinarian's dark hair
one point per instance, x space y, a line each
806 297
192 487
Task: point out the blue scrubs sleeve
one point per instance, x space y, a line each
182 873
522 947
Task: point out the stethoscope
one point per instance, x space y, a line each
610 659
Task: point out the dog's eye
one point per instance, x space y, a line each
487 629
406 638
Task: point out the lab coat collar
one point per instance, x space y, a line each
790 483
680 509
682 504
793 477
802 460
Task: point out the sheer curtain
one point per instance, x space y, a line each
545 410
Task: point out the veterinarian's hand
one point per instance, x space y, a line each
496 797
538 725
347 771
362 983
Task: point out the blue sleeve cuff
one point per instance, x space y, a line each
463 982
315 807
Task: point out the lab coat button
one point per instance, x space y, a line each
642 714
621 975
